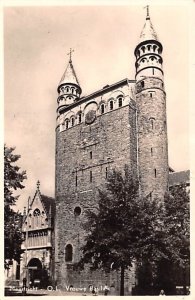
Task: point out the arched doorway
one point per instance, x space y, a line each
38 274
35 272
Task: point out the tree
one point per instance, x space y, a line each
124 228
177 224
13 179
177 221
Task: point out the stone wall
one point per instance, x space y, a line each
152 137
83 151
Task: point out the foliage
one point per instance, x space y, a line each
177 223
173 269
125 227
13 179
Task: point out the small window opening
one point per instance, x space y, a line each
111 105
142 84
154 48
67 124
102 108
155 173
152 123
150 95
90 176
90 153
72 121
67 89
76 180
152 71
77 211
143 49
149 46
68 253
150 195
120 102
151 151
79 117
106 172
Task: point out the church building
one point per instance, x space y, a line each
123 123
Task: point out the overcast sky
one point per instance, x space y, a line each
36 43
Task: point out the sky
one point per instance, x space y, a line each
36 42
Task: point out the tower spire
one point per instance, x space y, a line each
148 32
69 89
38 185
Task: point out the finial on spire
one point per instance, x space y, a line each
147 12
70 53
38 185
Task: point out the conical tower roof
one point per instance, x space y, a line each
69 75
148 32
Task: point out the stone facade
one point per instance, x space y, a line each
124 123
38 223
84 155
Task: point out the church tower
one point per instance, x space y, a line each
69 89
151 116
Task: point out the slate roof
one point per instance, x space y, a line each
69 75
176 178
49 203
148 32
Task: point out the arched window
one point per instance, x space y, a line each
68 253
67 124
36 212
72 90
143 49
80 117
152 120
67 89
102 108
149 46
120 101
154 48
72 121
111 105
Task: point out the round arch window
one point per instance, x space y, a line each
77 211
36 212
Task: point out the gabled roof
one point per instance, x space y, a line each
176 178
